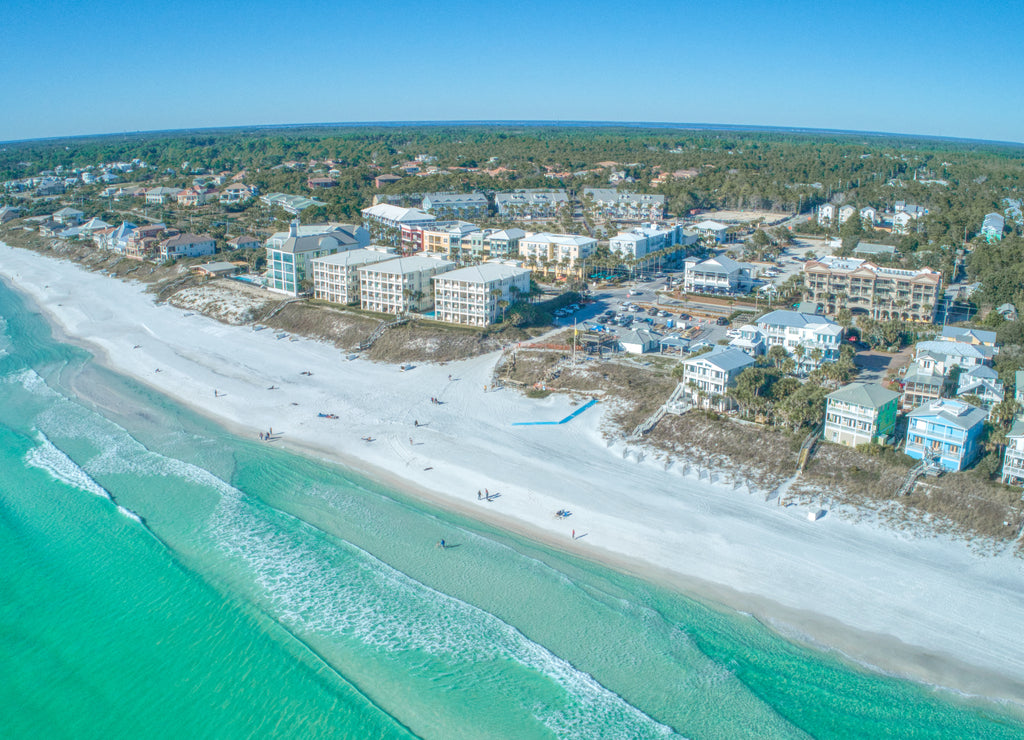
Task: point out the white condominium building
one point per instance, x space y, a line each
473 295
336 276
400 285
561 249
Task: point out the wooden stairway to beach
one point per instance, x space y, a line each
378 332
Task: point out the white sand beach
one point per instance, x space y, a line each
927 607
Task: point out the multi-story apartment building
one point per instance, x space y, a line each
557 253
336 276
612 203
451 239
708 377
288 261
719 274
385 222
883 292
455 205
1013 458
400 285
531 204
946 432
860 413
494 243
817 337
641 241
478 295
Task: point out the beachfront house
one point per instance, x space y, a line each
707 377
336 276
400 285
846 213
68 216
946 432
243 242
639 341
868 216
1013 458
860 413
187 245
809 338
9 213
719 274
288 260
478 295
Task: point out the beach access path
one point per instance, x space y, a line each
926 607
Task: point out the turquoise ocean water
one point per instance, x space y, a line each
163 578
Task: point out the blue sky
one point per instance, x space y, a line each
94 66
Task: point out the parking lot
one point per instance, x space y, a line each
638 305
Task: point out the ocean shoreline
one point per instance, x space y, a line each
178 379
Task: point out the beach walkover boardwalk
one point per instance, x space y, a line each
569 418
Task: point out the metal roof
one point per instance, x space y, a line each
868 395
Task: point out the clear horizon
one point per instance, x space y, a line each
922 69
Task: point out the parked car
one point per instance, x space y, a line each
722 321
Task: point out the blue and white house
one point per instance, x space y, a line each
708 377
818 337
946 432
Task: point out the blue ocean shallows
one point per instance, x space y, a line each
165 579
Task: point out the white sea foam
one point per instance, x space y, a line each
129 513
344 592
46 456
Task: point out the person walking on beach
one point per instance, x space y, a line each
574 534
410 441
